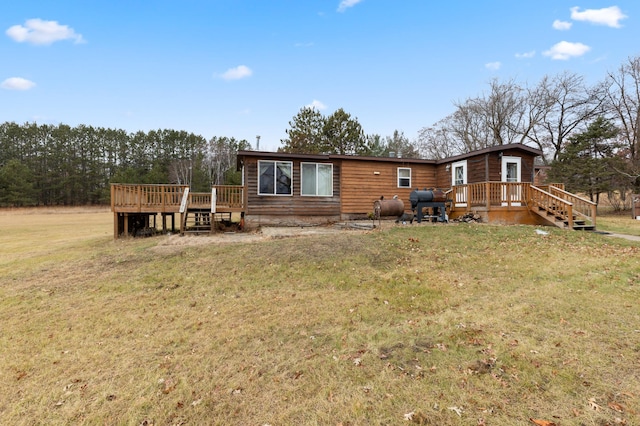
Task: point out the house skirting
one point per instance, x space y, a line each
514 215
253 221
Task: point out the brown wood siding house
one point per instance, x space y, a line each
500 184
365 180
292 205
359 181
486 165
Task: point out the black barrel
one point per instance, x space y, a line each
426 196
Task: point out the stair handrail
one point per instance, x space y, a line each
583 207
546 201
183 209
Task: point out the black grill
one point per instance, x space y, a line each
435 200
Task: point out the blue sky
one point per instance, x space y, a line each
241 68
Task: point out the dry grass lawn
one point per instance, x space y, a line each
429 324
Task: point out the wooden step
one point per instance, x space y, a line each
584 227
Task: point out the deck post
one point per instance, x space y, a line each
570 216
115 222
487 194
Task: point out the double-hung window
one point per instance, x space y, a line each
404 177
275 177
317 179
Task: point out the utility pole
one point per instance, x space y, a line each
258 143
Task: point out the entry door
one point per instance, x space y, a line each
459 178
511 173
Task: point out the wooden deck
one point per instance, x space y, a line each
136 207
522 202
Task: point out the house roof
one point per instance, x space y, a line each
497 148
330 157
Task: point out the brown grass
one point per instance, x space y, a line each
459 325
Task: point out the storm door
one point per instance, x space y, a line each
511 176
459 179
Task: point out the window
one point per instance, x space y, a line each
459 173
512 172
511 169
317 179
275 177
404 177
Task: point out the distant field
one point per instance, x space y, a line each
432 324
622 223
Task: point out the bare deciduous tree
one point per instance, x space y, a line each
569 104
438 142
623 101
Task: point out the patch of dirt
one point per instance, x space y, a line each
175 242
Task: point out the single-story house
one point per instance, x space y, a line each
501 184
283 187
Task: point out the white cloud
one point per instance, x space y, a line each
316 104
565 50
17 83
609 16
526 55
237 73
561 25
37 31
345 4
493 66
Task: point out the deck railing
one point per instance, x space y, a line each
221 197
200 200
134 198
139 198
231 196
581 207
554 206
490 195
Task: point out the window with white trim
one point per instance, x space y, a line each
316 179
459 173
404 177
275 177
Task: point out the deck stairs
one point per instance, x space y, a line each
563 209
196 221
195 218
200 213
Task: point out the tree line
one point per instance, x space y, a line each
588 135
62 165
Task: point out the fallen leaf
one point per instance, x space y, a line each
169 386
542 422
616 407
593 405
